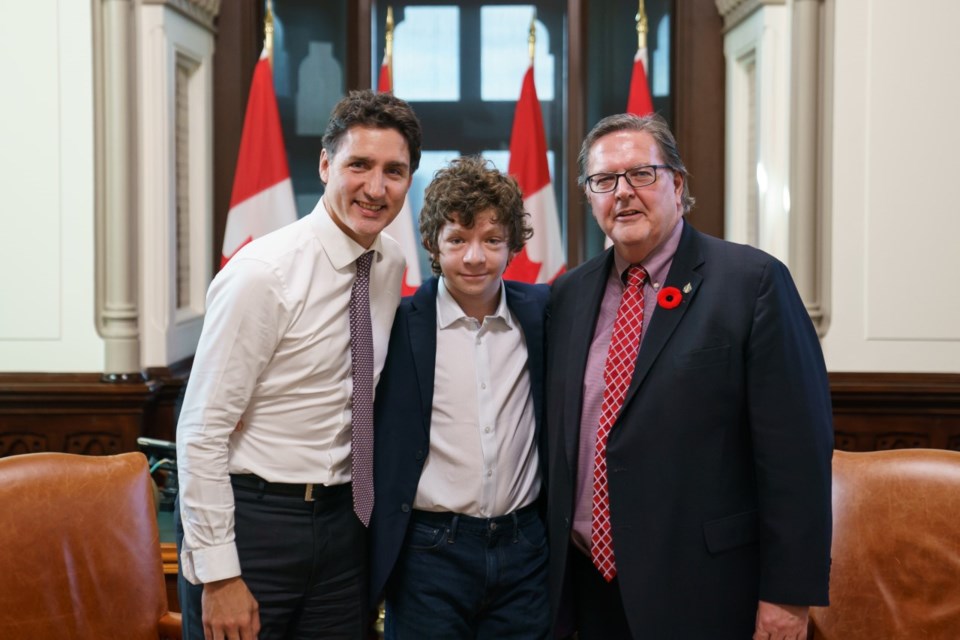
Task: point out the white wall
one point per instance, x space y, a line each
46 171
896 188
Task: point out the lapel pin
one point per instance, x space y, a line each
687 288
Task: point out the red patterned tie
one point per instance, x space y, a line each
621 357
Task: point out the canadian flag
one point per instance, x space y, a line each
262 198
541 260
401 229
640 101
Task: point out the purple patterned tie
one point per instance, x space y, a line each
361 353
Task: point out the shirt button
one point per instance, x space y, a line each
487 430
489 473
483 385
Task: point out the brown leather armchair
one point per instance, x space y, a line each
896 547
80 551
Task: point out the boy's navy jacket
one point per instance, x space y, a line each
403 407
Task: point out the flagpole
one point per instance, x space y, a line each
641 20
388 44
268 32
532 38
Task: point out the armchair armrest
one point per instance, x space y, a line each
169 627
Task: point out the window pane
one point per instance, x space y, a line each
505 57
309 50
501 160
661 59
426 54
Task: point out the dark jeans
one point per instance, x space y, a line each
304 562
463 577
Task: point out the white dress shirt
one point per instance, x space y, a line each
274 352
483 450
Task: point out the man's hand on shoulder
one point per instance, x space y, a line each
781 622
230 611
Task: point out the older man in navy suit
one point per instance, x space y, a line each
689 419
458 541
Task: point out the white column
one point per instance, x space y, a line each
116 272
809 155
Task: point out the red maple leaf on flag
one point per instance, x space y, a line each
541 260
640 102
262 197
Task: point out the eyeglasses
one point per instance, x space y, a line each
642 176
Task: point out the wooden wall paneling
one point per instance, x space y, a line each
699 113
359 44
71 413
577 16
875 411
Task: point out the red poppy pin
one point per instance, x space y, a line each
669 297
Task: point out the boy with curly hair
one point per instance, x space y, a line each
457 534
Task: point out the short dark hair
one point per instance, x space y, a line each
379 111
465 188
659 130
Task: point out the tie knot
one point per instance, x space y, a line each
363 264
636 276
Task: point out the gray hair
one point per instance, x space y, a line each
652 124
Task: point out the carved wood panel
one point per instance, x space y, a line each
14 443
79 413
877 411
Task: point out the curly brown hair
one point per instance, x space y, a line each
465 188
376 110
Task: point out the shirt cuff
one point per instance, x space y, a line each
200 566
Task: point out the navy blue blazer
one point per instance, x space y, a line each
404 404
719 463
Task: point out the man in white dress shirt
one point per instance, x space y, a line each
267 523
457 537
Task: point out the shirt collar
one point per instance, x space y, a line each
449 311
341 248
657 263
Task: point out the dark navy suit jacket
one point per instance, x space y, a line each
719 463
404 404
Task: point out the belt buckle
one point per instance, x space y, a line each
308 493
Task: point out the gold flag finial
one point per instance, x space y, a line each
388 46
532 38
268 32
641 26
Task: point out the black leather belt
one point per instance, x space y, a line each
446 518
308 492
